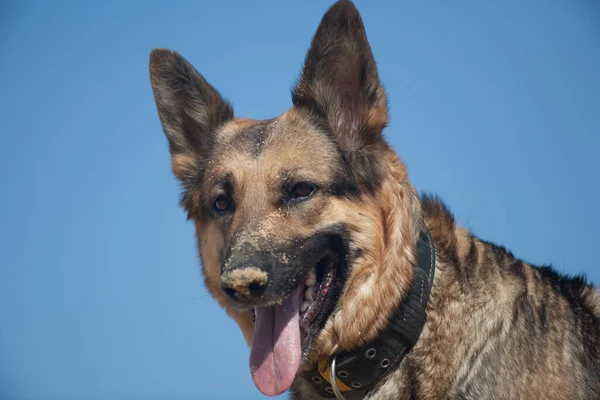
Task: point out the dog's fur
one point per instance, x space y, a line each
497 327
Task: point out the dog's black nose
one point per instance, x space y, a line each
244 284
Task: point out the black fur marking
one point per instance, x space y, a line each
224 186
543 315
523 311
288 266
472 254
345 182
253 139
575 290
517 268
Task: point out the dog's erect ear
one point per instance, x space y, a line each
190 110
340 83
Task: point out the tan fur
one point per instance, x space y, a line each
377 119
243 123
209 241
182 164
462 242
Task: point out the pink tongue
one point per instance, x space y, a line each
276 348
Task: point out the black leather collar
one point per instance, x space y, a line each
360 370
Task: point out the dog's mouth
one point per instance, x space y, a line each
316 287
284 332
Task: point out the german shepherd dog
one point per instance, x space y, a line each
314 241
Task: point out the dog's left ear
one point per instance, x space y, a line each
340 84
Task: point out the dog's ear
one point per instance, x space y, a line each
190 110
340 83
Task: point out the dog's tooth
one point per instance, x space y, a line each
309 293
312 278
304 306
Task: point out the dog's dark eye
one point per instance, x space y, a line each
302 189
222 203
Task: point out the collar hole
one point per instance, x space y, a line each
343 374
371 353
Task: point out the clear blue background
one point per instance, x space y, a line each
495 106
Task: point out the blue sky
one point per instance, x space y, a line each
494 106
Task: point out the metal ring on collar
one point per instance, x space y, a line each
333 378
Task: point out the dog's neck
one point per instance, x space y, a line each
351 375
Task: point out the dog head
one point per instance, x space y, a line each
296 216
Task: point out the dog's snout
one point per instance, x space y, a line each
244 284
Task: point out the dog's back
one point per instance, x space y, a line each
499 328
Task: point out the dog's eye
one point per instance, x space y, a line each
222 203
302 189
